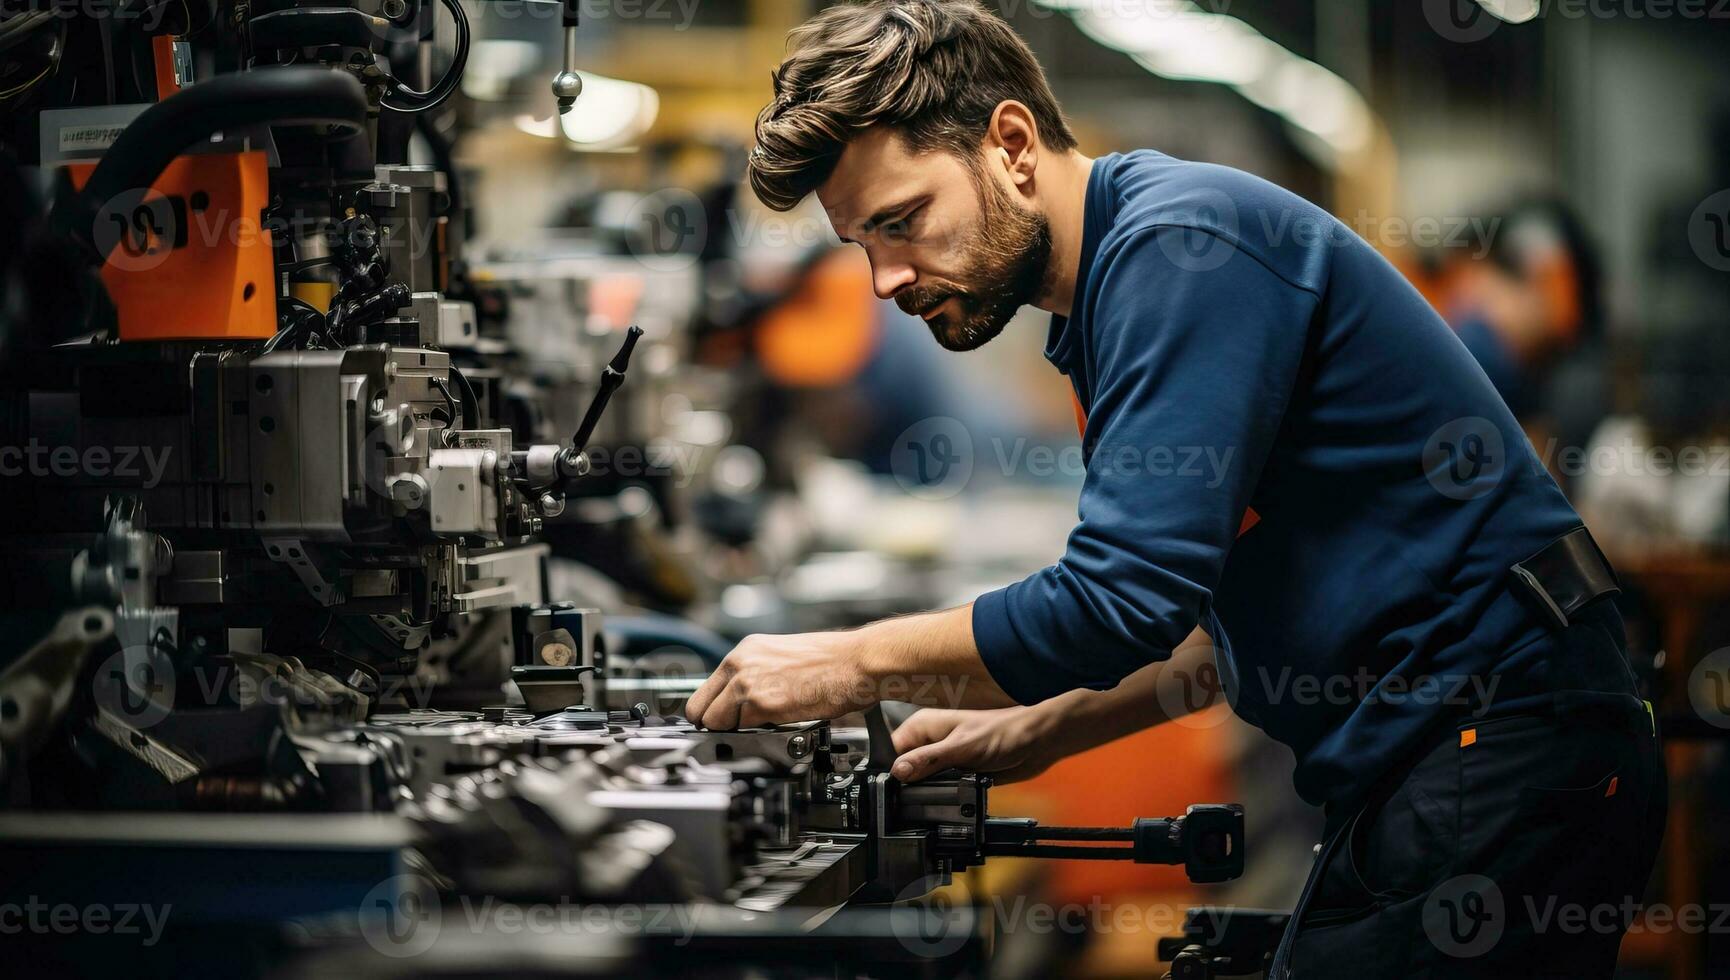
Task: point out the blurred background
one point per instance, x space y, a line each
1556 181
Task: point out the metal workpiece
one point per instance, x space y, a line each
785 748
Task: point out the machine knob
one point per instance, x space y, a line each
567 85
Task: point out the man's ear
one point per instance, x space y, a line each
1013 141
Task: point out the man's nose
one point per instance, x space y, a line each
890 278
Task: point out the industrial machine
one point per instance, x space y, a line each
283 670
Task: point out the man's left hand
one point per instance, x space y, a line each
770 680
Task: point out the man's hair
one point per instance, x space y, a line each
934 70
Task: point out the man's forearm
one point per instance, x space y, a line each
930 659
1082 720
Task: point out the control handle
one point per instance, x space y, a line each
1207 840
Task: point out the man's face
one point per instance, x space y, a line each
947 241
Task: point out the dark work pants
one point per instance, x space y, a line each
1517 844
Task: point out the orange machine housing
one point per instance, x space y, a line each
190 258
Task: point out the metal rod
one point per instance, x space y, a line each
1082 833
1063 851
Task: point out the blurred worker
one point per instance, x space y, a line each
1524 298
1287 447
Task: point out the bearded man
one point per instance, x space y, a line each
1384 575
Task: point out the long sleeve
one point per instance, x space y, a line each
1191 374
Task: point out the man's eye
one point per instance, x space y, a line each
899 230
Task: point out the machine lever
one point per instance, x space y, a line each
612 376
882 744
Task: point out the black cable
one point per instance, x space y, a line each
471 404
56 48
23 25
105 30
417 101
443 150
143 93
302 319
453 412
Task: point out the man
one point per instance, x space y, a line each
1392 585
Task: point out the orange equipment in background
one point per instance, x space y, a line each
823 334
190 257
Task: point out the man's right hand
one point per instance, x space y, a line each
1019 743
1009 744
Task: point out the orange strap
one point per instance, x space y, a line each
1250 517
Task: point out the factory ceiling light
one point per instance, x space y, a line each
1179 40
1512 11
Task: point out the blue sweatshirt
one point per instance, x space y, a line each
1240 353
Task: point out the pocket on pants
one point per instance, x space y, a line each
1552 812
1397 847
1565 805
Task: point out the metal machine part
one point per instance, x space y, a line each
515 806
567 84
36 688
1224 942
264 628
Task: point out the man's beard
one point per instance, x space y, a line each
1004 267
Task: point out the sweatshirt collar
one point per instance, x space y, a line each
1061 340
